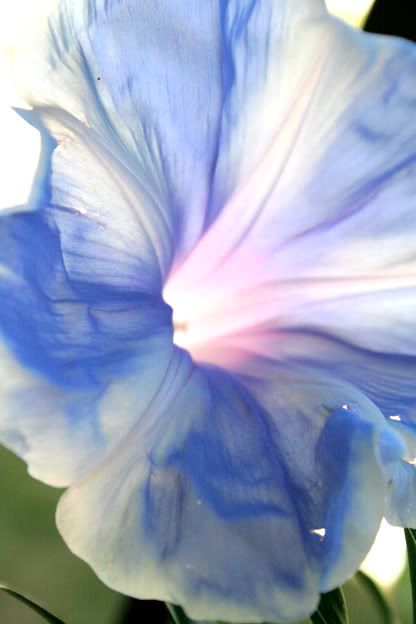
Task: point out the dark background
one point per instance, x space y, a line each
393 17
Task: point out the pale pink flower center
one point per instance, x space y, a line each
218 311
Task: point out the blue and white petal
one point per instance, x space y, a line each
318 205
286 133
146 77
324 428
317 235
402 496
184 511
71 358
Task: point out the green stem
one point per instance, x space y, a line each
30 603
410 535
178 615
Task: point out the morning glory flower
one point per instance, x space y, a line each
208 303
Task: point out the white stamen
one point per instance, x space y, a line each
320 532
81 210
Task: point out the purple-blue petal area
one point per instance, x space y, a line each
233 452
402 495
385 377
107 217
346 443
72 338
78 366
220 505
340 454
198 511
146 77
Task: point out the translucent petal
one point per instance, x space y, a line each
386 378
402 496
76 372
317 174
312 257
401 505
299 155
325 426
145 78
106 218
204 509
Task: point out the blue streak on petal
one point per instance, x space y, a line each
354 455
386 377
338 452
197 515
401 499
219 481
72 341
246 459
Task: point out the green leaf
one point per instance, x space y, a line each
410 535
178 614
386 612
332 609
180 617
30 603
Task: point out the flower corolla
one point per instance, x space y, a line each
208 305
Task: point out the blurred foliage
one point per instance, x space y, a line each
332 609
32 604
35 560
411 554
393 17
